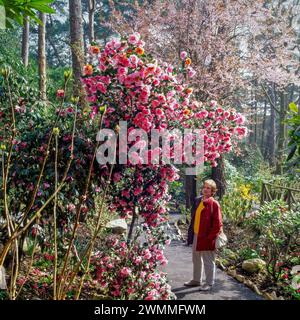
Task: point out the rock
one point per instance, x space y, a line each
256 290
248 283
253 265
273 294
240 278
268 296
232 273
118 226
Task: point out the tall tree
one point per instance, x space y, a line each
218 175
76 35
42 56
25 41
92 8
271 137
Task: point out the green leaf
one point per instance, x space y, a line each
293 107
42 8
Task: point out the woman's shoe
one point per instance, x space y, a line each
192 283
205 288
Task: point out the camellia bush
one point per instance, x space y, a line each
130 271
134 87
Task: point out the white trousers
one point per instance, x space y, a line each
203 261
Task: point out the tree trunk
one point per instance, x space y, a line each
190 190
52 44
262 146
251 131
25 42
281 134
255 121
76 35
42 57
218 175
92 8
270 152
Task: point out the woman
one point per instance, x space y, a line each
206 224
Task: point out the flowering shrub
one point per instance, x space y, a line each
134 87
237 203
278 230
131 271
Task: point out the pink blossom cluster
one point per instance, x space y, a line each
148 94
131 271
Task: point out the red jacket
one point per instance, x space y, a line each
210 224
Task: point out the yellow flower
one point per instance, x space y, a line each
56 131
140 51
189 90
88 70
188 61
94 49
186 112
2 147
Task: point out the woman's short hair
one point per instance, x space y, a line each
212 185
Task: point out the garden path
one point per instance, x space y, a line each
179 270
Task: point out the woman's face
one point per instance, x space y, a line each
206 190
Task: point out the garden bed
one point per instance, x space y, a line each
240 247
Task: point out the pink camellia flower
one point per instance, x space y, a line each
117 177
147 254
123 245
134 59
137 191
183 55
101 87
123 203
114 242
125 193
214 163
137 260
46 185
240 119
241 131
130 290
152 295
226 114
159 112
134 157
191 72
71 207
164 262
49 257
134 38
122 71
151 68
213 103
60 93
116 293
125 272
151 190
168 242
